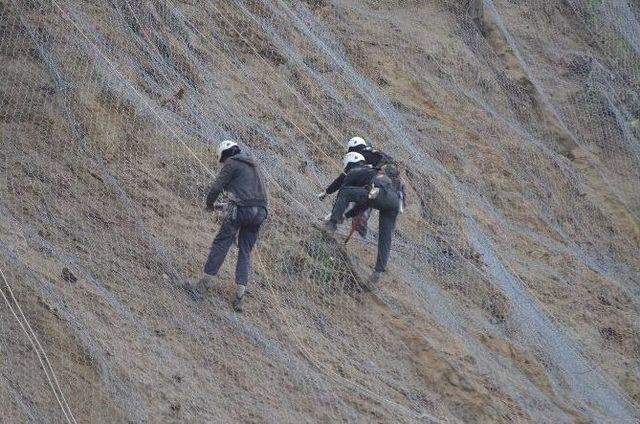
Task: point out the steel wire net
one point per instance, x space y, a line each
513 286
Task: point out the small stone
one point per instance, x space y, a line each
68 275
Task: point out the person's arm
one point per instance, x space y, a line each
372 157
360 177
218 186
336 184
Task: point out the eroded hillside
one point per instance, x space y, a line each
514 289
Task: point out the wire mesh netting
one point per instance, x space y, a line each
513 289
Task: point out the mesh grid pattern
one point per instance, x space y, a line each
513 288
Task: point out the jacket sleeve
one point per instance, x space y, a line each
220 184
336 184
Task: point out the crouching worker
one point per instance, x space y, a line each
242 180
370 188
374 158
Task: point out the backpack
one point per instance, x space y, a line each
385 159
376 158
387 189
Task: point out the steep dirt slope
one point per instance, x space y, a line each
513 294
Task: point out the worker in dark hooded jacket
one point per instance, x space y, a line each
241 179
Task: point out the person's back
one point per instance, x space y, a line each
373 157
241 179
359 176
391 189
367 187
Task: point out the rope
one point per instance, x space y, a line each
303 208
336 377
281 78
342 379
40 352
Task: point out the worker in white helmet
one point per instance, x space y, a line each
374 158
241 179
371 157
365 188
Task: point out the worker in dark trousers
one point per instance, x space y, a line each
367 187
241 179
374 158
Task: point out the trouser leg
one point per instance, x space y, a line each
363 228
366 214
246 240
220 247
387 223
345 196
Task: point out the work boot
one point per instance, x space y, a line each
238 301
203 284
197 289
329 227
237 304
372 282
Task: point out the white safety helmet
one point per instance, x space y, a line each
356 141
352 157
225 145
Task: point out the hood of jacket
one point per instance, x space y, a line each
245 158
